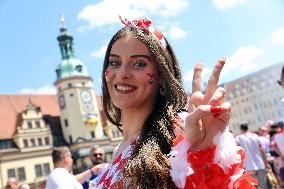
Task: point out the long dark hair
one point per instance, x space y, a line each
148 166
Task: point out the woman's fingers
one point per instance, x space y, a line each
218 97
207 110
213 80
196 80
197 96
190 107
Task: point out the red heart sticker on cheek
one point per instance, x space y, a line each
151 77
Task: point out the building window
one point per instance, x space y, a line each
70 139
264 104
30 125
33 142
79 68
38 170
46 139
255 107
66 122
249 109
37 123
25 141
21 174
39 141
93 134
46 169
4 144
71 94
11 173
70 85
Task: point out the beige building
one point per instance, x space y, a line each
31 125
255 98
26 138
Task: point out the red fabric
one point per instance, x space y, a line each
178 139
209 175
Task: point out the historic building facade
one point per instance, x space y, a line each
31 125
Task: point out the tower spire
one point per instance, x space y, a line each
65 40
70 65
62 19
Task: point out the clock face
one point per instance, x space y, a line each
86 96
61 100
88 106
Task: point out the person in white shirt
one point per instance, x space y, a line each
61 176
254 154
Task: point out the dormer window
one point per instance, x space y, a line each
26 143
46 139
37 123
33 142
39 141
79 68
30 125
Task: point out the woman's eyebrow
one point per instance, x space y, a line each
134 56
115 55
141 55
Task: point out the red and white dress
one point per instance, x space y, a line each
218 167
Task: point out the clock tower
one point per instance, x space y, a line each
76 97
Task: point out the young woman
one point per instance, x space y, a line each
164 146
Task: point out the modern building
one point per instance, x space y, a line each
255 98
31 125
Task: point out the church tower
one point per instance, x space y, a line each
77 100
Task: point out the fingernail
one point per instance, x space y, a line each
215 109
222 60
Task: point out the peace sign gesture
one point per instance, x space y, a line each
208 113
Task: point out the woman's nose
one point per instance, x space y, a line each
124 72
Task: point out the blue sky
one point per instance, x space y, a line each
250 33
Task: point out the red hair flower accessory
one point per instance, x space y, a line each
145 24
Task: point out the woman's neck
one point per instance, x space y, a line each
132 123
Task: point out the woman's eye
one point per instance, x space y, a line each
114 63
139 63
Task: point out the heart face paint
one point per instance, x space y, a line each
151 77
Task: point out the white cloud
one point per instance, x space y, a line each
248 67
99 53
277 37
106 12
224 4
176 32
242 59
46 89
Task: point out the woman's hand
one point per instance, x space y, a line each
208 113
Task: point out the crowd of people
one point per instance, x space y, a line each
264 152
168 140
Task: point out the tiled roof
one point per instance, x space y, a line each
12 105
